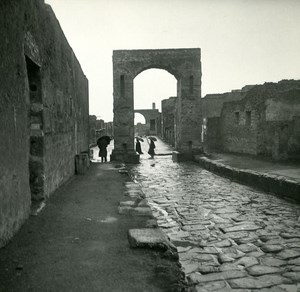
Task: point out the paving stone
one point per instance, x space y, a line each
293 268
183 249
224 258
189 267
289 288
230 267
215 286
293 245
294 261
273 262
288 254
241 227
252 237
266 237
247 247
294 276
272 248
222 243
206 269
209 259
255 254
208 250
258 282
198 278
247 261
259 270
290 235
193 227
236 235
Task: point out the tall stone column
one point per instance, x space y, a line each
123 116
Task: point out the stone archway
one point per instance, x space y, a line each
185 66
152 119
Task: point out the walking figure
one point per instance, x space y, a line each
138 147
151 147
102 143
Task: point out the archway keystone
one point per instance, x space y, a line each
185 66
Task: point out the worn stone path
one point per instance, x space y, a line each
229 237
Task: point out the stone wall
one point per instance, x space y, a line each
211 107
43 109
168 112
265 122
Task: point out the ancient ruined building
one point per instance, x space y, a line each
264 120
43 109
168 110
185 66
152 119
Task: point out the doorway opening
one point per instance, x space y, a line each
36 138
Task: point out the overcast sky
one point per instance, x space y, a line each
242 42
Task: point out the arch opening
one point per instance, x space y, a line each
152 86
139 119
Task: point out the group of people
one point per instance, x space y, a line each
103 142
138 147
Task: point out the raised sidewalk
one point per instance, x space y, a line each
280 178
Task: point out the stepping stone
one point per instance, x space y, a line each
148 238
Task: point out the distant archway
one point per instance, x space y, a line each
185 66
139 118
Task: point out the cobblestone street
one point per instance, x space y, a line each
228 236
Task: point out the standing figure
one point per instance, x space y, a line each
138 147
151 148
102 143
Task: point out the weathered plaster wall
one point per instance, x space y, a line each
58 124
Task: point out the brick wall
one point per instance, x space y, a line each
43 109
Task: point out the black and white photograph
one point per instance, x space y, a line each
149 146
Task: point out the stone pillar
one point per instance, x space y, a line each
187 112
123 117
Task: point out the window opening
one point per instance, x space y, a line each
237 118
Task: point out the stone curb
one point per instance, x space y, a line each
279 185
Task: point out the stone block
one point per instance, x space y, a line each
152 238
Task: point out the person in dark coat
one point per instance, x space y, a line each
102 144
138 147
151 148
